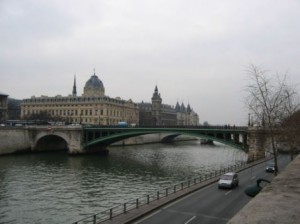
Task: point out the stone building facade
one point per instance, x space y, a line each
93 107
186 116
158 114
3 107
14 109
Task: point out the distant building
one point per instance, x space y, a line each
14 109
156 113
186 116
3 107
93 107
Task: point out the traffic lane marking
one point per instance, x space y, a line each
228 192
198 215
191 219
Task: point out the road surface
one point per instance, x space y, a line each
211 205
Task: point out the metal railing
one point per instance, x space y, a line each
135 204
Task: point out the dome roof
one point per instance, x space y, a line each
94 82
93 87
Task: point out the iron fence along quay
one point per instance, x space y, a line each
137 203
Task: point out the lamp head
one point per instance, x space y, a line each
253 191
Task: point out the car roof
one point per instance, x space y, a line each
230 173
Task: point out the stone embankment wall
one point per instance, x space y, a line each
14 140
278 202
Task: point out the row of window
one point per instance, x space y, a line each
74 99
85 112
98 121
82 114
24 105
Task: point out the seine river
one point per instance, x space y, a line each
58 188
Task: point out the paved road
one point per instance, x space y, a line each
211 205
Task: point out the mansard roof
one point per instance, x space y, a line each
3 94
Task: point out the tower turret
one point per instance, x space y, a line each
156 107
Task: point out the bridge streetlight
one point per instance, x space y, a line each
249 122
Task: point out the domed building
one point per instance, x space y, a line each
93 107
93 87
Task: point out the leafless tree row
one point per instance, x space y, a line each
274 104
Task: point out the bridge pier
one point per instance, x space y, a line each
96 150
257 144
57 137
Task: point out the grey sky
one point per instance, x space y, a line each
195 51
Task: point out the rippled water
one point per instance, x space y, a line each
57 188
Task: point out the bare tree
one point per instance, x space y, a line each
269 102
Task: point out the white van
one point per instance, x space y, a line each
228 180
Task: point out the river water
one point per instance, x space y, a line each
58 188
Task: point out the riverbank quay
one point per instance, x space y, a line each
137 209
278 202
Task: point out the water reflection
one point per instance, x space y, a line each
57 188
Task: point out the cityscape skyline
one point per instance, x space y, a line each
196 52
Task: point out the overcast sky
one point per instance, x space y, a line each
195 51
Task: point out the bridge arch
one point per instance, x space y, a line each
50 142
219 139
115 135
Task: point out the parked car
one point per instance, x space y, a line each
228 180
270 168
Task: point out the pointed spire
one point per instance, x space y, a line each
188 109
182 108
74 93
155 94
177 107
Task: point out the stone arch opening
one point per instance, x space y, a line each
51 143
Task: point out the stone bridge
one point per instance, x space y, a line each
81 139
